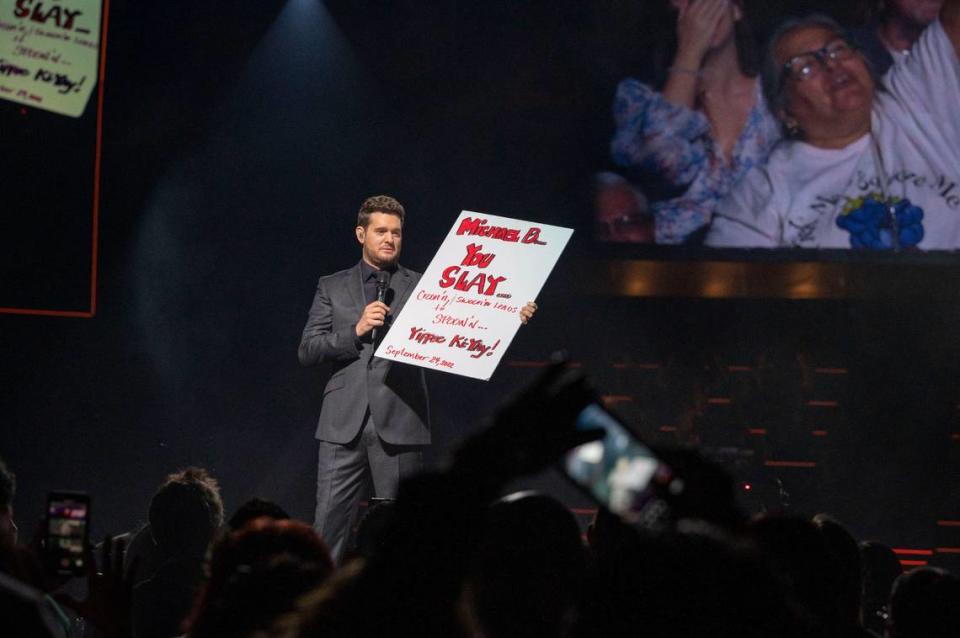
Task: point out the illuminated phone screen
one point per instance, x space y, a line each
67 520
617 469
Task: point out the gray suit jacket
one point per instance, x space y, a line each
395 393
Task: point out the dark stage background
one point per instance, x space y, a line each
239 140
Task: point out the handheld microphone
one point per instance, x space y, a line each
383 282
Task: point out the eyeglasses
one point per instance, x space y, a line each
623 227
808 65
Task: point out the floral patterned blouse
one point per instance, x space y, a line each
672 143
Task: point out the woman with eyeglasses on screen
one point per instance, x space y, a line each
867 163
707 127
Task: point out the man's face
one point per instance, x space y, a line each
621 214
920 13
838 95
8 529
381 239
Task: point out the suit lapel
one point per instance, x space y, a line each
355 286
401 288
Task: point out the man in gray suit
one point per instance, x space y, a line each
375 415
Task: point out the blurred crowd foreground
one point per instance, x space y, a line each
453 556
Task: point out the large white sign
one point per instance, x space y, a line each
466 309
49 53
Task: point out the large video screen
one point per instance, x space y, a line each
741 130
50 118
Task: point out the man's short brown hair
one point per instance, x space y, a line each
379 204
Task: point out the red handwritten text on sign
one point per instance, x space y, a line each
462 279
60 16
477 226
473 345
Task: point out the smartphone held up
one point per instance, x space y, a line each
66 534
618 470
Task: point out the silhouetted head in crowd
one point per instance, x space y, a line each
880 568
256 574
607 534
8 489
341 607
255 508
528 569
800 555
925 603
694 581
375 527
845 553
17 561
185 513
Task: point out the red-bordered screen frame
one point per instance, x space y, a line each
98 149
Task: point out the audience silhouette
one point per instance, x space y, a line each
185 513
453 557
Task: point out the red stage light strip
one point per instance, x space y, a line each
819 433
757 431
947 550
97 153
912 552
805 464
945 523
639 366
105 27
81 314
913 563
